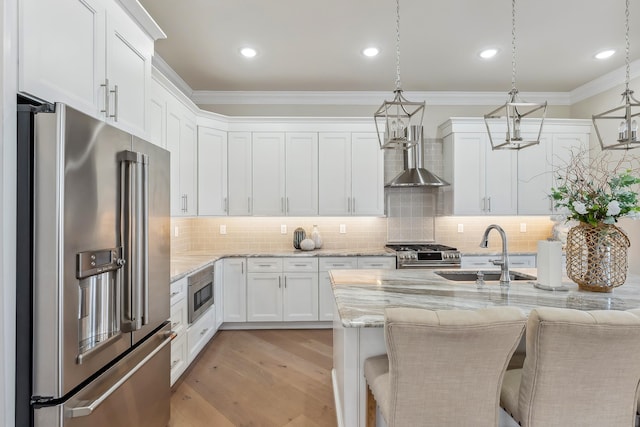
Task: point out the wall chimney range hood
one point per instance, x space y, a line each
414 174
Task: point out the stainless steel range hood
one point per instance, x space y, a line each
414 174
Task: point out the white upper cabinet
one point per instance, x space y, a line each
268 169
156 114
239 173
212 172
89 54
350 174
181 142
505 182
301 150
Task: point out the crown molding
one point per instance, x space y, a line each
605 82
366 97
142 17
168 72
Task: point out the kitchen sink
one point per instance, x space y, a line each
472 275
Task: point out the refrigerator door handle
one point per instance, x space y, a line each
87 408
134 208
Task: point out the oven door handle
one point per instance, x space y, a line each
428 266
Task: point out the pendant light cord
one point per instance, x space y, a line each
513 44
627 44
398 85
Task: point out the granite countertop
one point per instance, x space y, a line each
362 295
185 263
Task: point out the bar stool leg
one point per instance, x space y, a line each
371 409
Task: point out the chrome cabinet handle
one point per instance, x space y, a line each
489 199
285 281
173 294
105 85
279 282
241 267
204 331
115 100
174 363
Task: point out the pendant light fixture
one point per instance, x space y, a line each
621 122
398 115
506 124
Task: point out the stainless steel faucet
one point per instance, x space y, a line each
505 279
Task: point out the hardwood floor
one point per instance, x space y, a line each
270 378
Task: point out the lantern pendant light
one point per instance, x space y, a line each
510 126
621 122
399 115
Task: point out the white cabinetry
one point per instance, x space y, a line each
350 174
235 289
200 332
88 54
536 165
282 289
157 114
285 173
212 172
239 173
178 301
484 181
376 262
218 291
268 170
181 142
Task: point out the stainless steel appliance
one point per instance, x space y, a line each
200 291
425 255
93 273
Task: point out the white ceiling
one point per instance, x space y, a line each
315 45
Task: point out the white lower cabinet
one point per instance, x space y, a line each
178 313
282 289
200 332
218 291
234 292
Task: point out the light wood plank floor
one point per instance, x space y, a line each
270 378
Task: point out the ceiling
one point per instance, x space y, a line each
316 45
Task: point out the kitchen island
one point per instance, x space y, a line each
362 295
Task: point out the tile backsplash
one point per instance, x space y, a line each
263 233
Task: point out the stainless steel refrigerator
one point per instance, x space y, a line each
93 273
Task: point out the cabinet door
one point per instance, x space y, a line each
200 332
212 172
218 291
300 298
239 173
174 125
334 170
535 178
188 139
264 297
128 53
367 175
325 297
466 153
61 52
156 125
301 150
179 357
501 172
268 166
234 292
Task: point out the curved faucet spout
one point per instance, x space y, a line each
505 279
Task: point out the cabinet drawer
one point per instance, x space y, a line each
178 357
264 265
377 262
522 261
179 317
178 291
338 263
200 332
302 265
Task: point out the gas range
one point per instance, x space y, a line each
425 255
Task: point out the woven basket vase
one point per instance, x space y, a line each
597 256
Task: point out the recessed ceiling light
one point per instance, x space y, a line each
605 54
248 52
488 53
371 51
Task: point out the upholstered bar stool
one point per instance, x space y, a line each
582 368
442 368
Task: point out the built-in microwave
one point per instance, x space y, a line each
200 291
